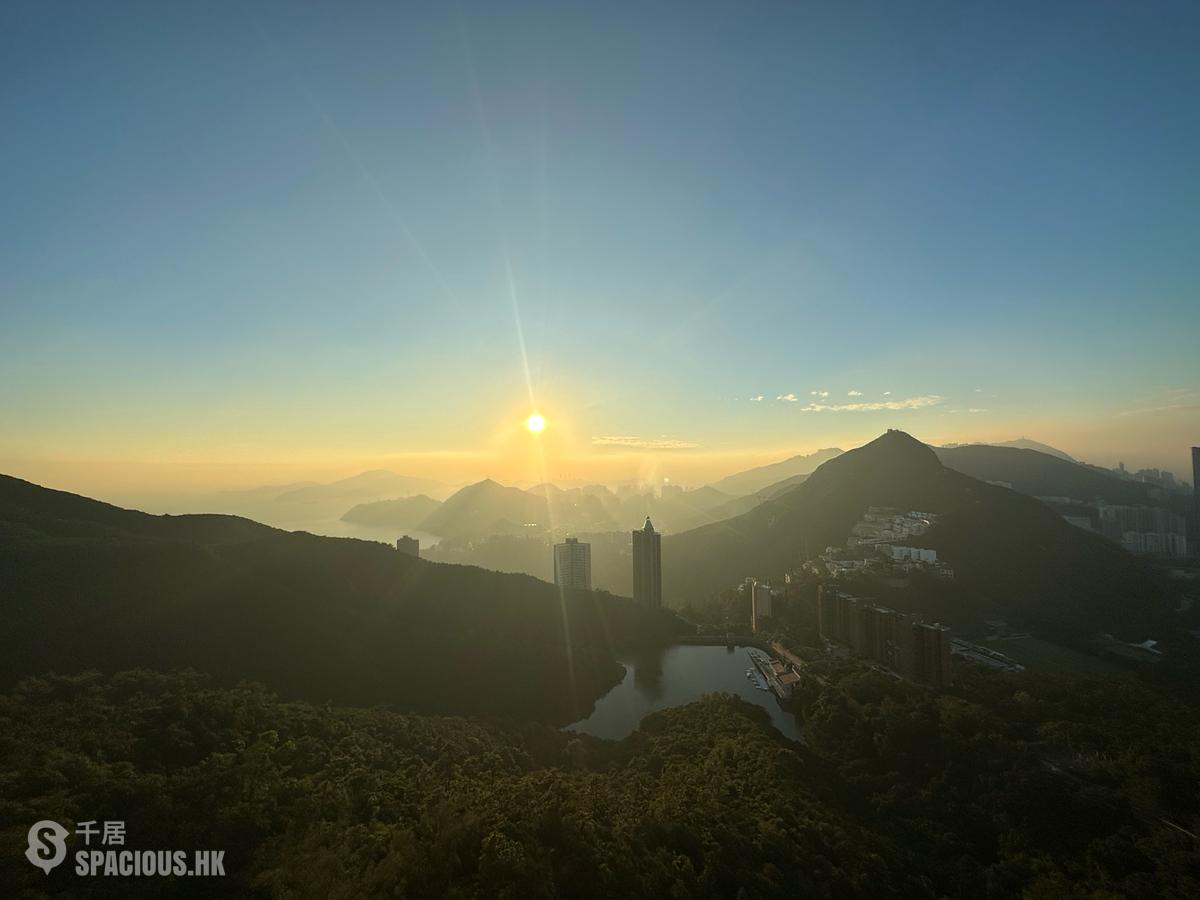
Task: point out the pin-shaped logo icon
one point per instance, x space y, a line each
47 845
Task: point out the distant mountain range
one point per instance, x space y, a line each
320 508
490 508
403 512
1022 443
1039 474
754 480
762 533
88 585
372 503
773 479
363 487
771 491
1014 557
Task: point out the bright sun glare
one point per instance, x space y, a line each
535 423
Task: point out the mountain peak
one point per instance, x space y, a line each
897 442
894 453
485 485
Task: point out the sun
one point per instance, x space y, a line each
535 423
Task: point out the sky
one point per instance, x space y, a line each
246 243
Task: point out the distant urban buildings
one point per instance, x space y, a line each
871 547
1139 529
914 554
573 565
1161 479
900 642
647 566
1116 520
1155 543
881 524
409 545
671 491
1196 495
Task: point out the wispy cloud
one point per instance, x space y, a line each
757 398
853 393
789 398
1158 409
1166 400
821 394
908 403
887 393
640 443
976 410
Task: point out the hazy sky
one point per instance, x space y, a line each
251 239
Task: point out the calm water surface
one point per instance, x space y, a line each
673 676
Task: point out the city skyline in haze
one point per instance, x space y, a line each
251 245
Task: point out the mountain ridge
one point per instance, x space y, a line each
753 480
1011 553
88 585
1021 443
400 512
1041 474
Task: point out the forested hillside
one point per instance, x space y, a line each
1013 557
84 584
1042 475
1008 787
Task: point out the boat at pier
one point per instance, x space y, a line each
757 680
777 677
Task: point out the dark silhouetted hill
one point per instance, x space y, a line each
308 506
1040 474
487 507
363 487
403 512
84 584
1013 555
1021 443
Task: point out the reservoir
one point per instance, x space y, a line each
672 676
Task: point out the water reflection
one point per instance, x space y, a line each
648 673
671 676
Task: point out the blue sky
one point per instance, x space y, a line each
239 233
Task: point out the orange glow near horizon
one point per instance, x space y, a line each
563 452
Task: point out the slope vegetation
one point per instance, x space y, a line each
86 584
1041 475
899 794
1013 555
